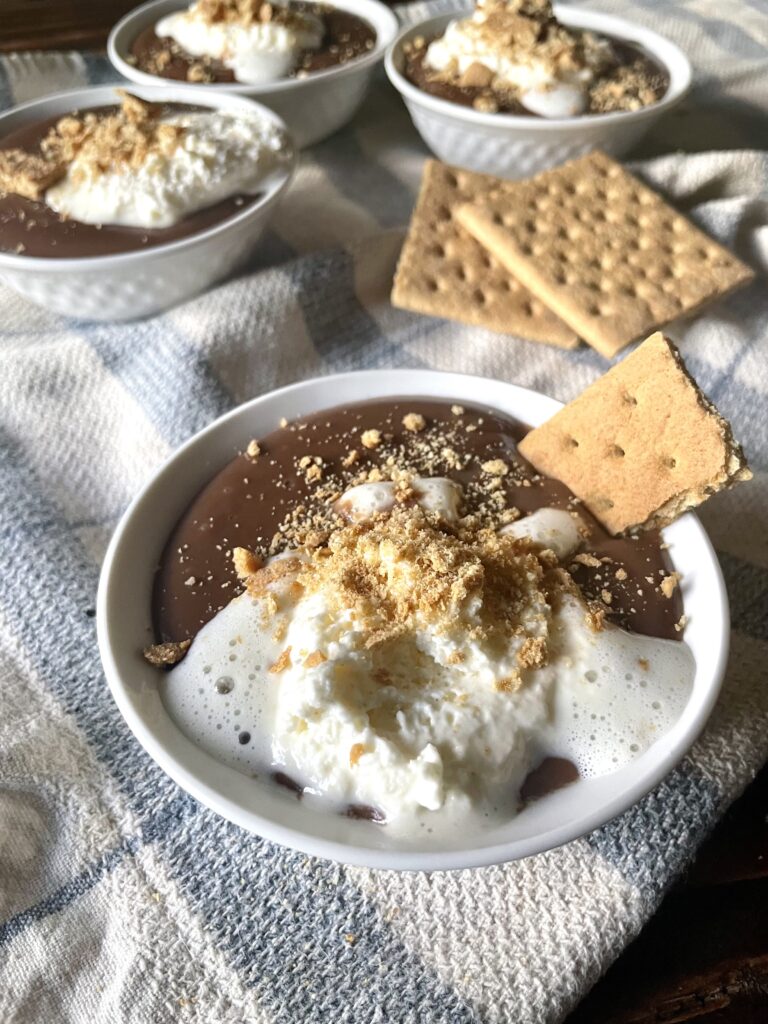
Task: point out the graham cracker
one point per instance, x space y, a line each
24 174
602 250
641 445
443 271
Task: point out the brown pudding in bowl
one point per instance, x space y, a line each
258 30
515 57
294 490
66 183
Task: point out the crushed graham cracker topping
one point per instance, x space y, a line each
527 33
244 12
405 570
119 141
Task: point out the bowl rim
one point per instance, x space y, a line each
194 782
672 58
103 96
123 33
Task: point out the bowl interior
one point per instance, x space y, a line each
666 53
125 31
124 627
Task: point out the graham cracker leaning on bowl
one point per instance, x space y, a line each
443 271
603 251
641 445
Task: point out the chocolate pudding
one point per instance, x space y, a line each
249 504
32 228
346 37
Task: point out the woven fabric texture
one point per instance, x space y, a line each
122 899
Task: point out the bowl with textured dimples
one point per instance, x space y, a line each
512 146
128 285
125 626
312 107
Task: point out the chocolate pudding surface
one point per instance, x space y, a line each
346 37
421 76
245 504
31 228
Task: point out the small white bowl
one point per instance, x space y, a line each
124 627
127 285
312 107
511 146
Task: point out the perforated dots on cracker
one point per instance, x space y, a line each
602 250
444 272
641 445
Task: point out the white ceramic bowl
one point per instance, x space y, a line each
124 626
134 284
312 107
510 146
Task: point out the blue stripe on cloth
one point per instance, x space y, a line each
6 98
59 633
169 817
728 35
652 842
282 919
747 594
363 181
343 332
165 373
61 899
99 71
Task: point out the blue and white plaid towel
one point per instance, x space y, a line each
121 899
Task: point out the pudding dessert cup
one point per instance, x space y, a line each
510 145
313 106
93 265
124 615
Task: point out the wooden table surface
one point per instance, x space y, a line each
704 956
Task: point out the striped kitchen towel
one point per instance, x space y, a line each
121 898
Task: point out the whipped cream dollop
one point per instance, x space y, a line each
427 722
254 50
217 155
507 38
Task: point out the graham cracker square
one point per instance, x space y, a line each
641 445
603 251
444 272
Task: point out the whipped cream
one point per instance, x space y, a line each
218 155
257 52
422 724
546 88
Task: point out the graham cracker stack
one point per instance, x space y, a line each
601 250
641 445
444 272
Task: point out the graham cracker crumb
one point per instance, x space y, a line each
282 663
620 574
350 458
495 467
314 659
607 596
669 584
166 655
246 564
253 450
414 422
371 438
587 559
356 751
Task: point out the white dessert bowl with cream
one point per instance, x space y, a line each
516 146
229 146
123 615
313 107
